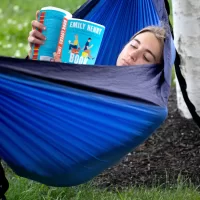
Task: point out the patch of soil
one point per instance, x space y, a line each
173 150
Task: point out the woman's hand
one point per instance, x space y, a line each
56 57
35 36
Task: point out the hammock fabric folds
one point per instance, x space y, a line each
63 124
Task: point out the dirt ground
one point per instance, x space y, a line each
173 152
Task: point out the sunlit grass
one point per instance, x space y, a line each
15 20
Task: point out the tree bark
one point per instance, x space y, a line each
186 22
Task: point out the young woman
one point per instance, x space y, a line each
145 47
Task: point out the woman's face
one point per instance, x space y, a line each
145 48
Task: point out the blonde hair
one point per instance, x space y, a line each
158 31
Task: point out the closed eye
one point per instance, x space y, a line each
146 59
135 47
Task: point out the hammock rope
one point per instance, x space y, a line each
181 79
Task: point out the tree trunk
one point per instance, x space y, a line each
186 21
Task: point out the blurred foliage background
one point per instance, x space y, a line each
15 20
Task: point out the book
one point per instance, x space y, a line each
69 40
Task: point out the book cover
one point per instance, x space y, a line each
79 41
52 18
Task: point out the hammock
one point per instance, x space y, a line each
63 124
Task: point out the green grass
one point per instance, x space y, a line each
15 20
23 189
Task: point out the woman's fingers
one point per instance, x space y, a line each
36 37
56 57
35 24
37 34
34 40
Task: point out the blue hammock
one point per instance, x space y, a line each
63 124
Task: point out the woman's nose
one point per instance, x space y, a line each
134 55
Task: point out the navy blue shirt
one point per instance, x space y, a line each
86 45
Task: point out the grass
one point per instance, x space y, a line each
15 20
23 189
